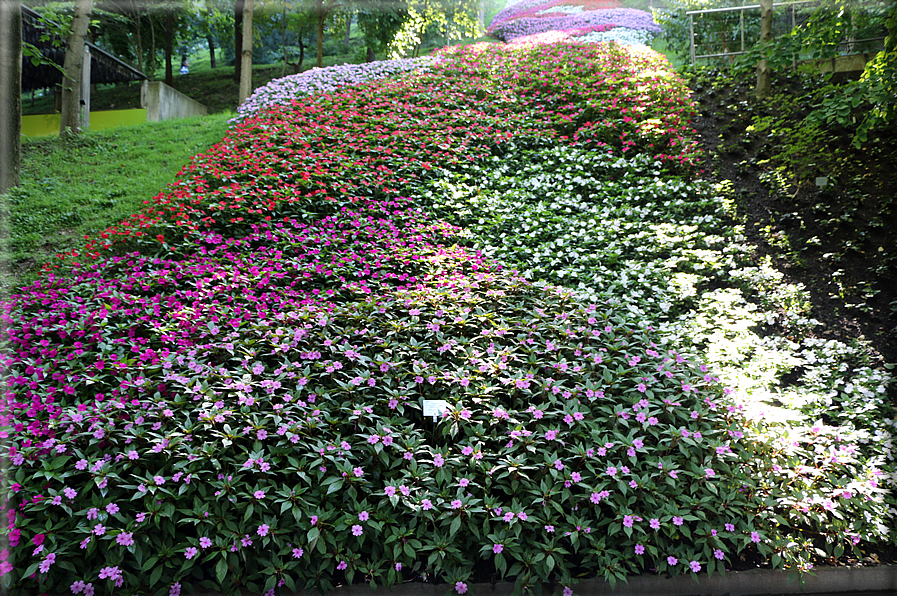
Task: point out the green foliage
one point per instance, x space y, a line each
873 97
381 21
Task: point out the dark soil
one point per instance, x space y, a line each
839 240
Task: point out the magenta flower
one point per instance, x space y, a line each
677 521
755 537
627 521
389 491
357 530
497 548
363 516
297 553
695 566
460 587
654 523
263 530
259 494
205 542
718 554
190 552
671 561
639 549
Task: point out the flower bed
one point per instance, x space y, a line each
238 403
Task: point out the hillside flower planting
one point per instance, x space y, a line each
574 18
226 390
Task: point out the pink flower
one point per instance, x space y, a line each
460 587
259 494
718 554
297 553
389 491
204 542
426 505
655 524
695 566
125 538
709 473
639 549
263 530
190 552
497 548
755 537
456 504
363 516
677 521
357 530
627 521
671 561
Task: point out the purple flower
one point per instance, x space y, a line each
671 561
639 549
497 548
190 552
357 530
460 587
695 566
263 530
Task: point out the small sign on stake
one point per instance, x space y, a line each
435 408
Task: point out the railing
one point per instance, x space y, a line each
791 7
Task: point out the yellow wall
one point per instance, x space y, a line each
44 125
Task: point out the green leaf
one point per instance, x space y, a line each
221 571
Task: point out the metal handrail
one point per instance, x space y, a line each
749 7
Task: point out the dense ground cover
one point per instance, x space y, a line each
225 389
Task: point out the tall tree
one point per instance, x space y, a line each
11 90
246 57
169 45
238 39
73 66
764 84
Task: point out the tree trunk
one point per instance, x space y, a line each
137 38
481 16
348 28
238 38
319 10
764 84
371 56
169 43
152 64
283 38
74 62
211 41
11 89
246 58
